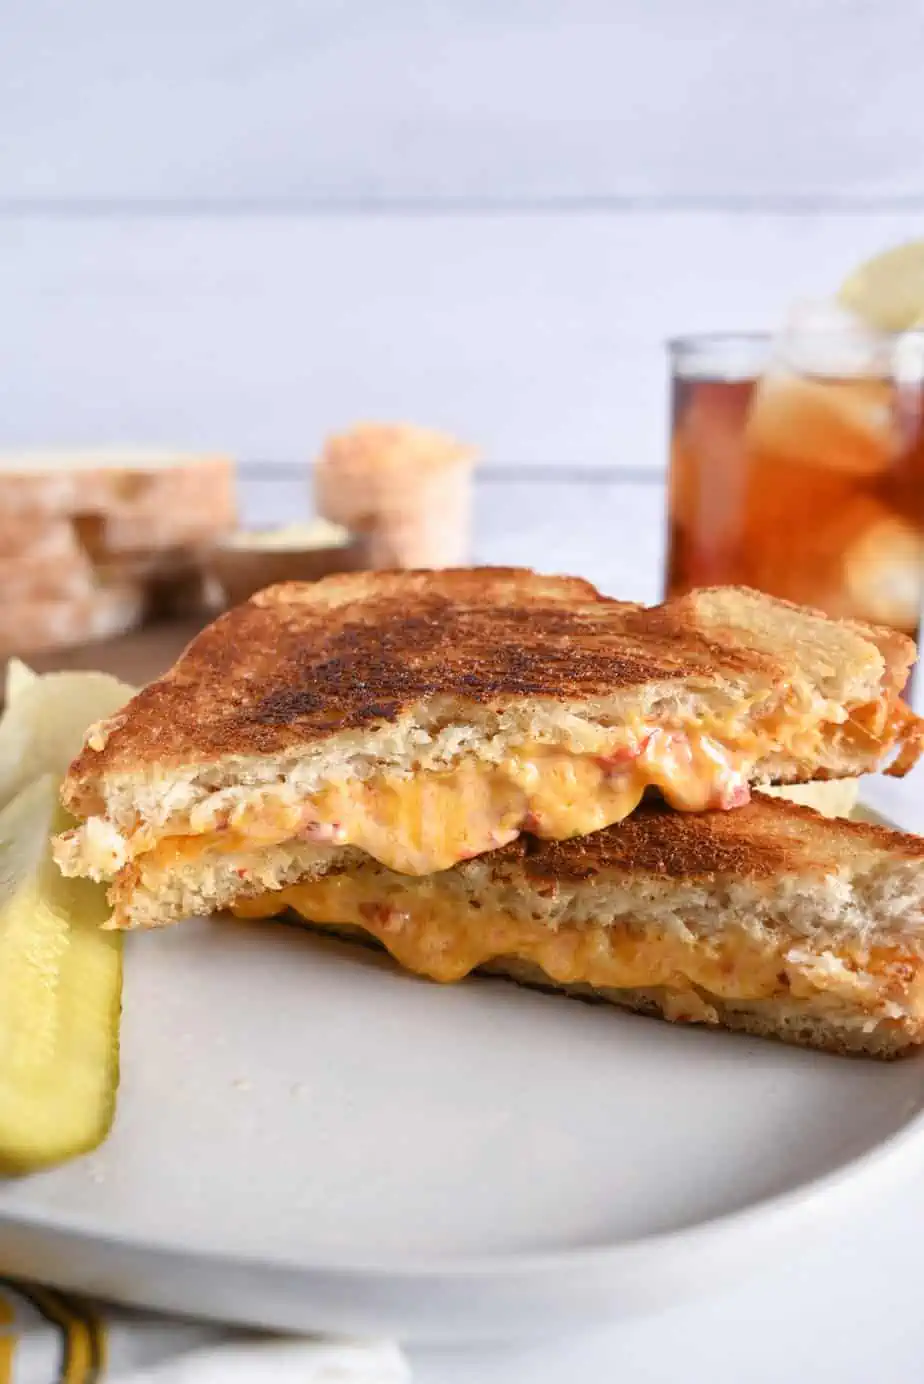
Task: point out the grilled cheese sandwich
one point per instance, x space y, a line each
424 718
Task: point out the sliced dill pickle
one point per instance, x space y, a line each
60 994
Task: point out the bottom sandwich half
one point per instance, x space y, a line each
770 919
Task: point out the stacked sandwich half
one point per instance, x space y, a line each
490 769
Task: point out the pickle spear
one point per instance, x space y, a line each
60 994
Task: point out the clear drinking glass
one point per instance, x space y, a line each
802 482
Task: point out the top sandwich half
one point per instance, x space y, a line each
427 717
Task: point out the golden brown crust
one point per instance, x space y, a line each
764 839
898 650
300 662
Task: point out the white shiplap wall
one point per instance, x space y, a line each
503 101
242 225
237 225
538 336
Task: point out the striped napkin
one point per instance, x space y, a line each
50 1337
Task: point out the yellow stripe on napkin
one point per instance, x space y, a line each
7 1339
80 1356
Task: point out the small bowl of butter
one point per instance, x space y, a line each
250 559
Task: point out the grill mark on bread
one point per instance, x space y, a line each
652 842
766 838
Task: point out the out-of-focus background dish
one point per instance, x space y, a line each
247 560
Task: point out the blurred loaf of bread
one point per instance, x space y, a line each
44 624
87 539
188 485
405 490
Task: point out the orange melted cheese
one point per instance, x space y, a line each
429 821
445 939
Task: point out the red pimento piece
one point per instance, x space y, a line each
625 755
382 914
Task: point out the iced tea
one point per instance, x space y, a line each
807 486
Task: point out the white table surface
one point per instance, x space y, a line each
850 1308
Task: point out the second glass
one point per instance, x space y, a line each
806 485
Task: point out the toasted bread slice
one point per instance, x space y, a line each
770 918
429 716
838 1030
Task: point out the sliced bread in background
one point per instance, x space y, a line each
90 540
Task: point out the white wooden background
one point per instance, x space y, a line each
536 334
241 225
500 102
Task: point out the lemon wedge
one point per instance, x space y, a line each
887 292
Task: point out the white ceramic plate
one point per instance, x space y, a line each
308 1138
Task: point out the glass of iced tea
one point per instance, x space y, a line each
801 473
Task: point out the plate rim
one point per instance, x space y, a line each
777 1210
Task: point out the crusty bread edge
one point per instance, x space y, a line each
898 650
844 1037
